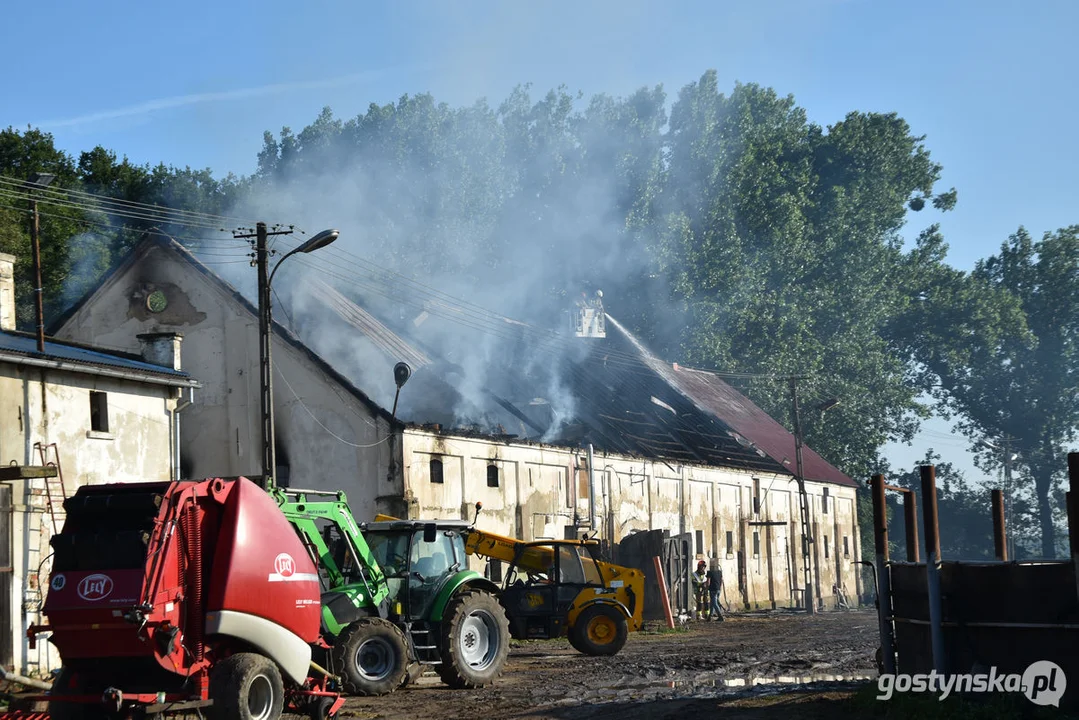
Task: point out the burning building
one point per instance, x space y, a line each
600 437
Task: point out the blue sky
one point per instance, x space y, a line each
991 84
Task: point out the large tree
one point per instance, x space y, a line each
783 243
1019 390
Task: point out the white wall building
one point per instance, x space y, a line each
101 417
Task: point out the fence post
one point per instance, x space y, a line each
910 520
1071 498
884 586
932 565
1000 533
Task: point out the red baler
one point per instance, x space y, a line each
175 596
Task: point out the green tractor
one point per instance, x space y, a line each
398 596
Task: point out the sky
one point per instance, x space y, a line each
992 85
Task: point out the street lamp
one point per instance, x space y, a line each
269 444
38 181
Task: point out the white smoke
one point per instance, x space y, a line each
414 215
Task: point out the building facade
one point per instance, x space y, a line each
94 416
721 472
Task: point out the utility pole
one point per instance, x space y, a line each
38 181
39 289
1009 502
807 537
269 445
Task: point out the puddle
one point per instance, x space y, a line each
636 689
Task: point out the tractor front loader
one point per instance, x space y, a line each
398 596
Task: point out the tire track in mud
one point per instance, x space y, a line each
659 673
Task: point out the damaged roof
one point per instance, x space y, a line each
612 392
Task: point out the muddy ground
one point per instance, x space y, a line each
812 664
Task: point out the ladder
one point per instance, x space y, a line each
55 491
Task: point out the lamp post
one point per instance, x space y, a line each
269 448
38 181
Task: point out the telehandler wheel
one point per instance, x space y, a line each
246 686
599 630
66 683
371 656
475 640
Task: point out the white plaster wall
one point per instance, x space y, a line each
48 406
328 438
532 504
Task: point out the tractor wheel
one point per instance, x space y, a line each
371 656
66 683
475 640
320 708
599 630
246 686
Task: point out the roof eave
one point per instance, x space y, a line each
100 370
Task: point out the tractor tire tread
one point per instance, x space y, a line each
343 649
464 602
227 674
578 634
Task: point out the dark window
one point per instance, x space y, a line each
494 571
825 547
824 502
756 496
436 470
492 476
846 546
99 411
700 541
730 542
756 543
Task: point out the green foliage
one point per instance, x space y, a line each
1001 346
964 513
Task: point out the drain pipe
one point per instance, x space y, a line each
180 406
591 490
25 681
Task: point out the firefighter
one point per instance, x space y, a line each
700 590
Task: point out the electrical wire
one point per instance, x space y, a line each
119 228
319 422
25 187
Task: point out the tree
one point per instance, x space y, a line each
1022 384
23 153
782 242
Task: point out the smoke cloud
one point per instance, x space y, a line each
454 221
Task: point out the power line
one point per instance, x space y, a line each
24 186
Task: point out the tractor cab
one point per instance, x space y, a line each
542 583
419 559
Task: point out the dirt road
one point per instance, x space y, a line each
664 674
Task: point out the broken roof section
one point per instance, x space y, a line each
531 386
613 393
